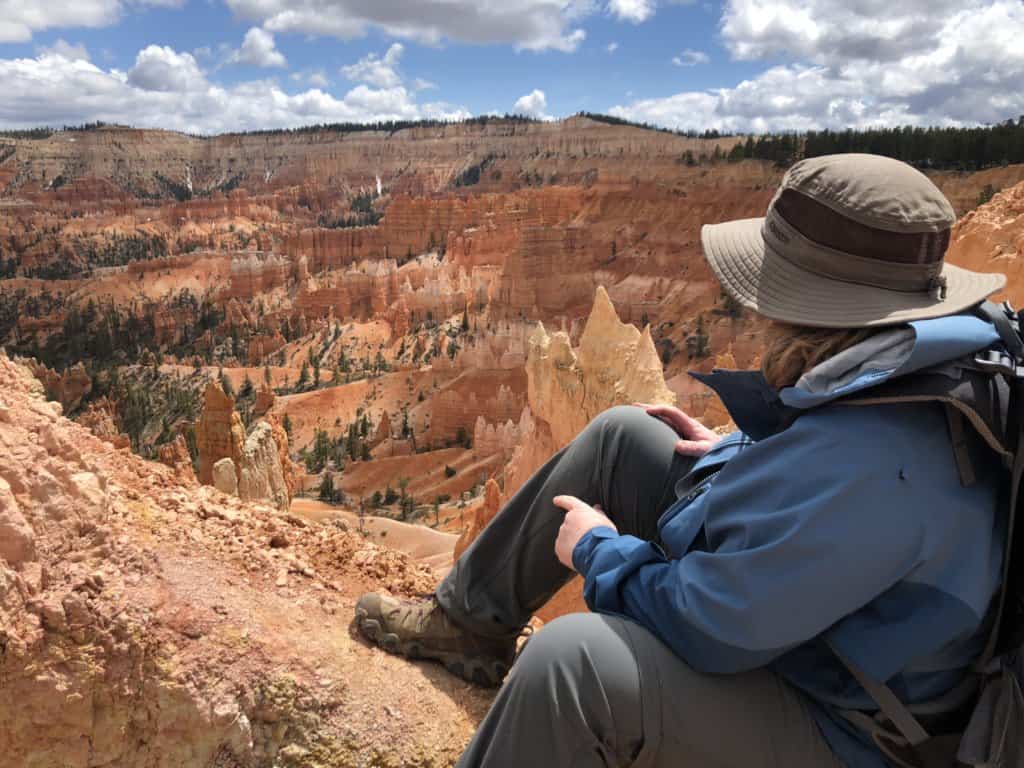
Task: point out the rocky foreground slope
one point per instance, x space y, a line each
147 622
991 239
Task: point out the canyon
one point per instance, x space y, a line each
247 377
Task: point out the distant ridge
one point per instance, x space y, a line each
936 148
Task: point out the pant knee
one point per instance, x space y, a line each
580 671
550 647
627 420
580 654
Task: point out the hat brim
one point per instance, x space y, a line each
766 282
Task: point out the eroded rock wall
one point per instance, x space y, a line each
991 239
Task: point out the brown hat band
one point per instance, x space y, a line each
783 239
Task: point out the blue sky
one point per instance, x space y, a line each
213 65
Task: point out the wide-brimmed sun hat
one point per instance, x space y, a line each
849 241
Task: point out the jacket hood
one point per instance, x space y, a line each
905 349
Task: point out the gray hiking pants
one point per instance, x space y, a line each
592 690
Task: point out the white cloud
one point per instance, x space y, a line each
319 79
19 19
63 48
377 70
166 89
839 30
533 104
636 11
161 68
860 64
527 24
690 58
612 47
258 50
420 84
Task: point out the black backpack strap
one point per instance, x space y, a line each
1013 503
890 705
959 437
1004 319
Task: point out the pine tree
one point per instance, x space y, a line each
327 488
353 441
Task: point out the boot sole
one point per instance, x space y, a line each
478 670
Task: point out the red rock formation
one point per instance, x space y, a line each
264 401
219 433
289 470
260 461
480 517
495 395
253 273
68 388
262 345
176 456
102 420
382 432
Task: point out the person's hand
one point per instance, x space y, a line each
696 438
580 518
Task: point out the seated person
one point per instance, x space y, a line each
723 575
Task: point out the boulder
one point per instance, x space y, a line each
225 477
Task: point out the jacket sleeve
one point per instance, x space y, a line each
803 528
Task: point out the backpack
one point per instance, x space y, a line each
980 723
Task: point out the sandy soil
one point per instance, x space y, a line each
424 545
334 408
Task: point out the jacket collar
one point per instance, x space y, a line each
753 404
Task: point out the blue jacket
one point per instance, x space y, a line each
850 524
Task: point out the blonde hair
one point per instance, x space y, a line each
792 350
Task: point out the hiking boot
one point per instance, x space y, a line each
422 630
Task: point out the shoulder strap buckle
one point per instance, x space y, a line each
1007 324
998 362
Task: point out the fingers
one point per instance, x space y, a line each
668 415
567 502
661 410
696 448
690 426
